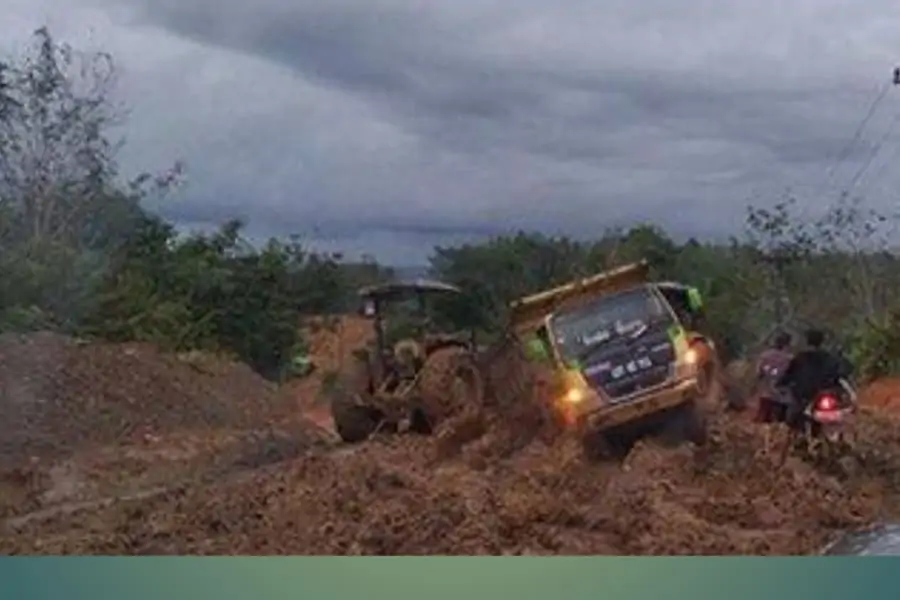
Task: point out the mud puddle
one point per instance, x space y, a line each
882 540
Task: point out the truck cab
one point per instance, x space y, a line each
626 352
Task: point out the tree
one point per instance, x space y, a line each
61 203
80 255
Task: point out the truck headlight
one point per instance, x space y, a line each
574 396
691 357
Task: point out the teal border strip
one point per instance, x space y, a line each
837 578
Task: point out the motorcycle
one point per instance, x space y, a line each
821 429
827 415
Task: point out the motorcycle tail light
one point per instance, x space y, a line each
826 403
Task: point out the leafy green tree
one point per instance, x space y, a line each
61 207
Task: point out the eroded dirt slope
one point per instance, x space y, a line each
57 394
80 420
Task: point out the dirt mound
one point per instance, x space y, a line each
332 341
57 394
883 397
80 421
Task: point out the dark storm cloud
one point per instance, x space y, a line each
435 78
441 118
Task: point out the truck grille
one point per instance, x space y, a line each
623 367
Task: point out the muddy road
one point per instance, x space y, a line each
123 450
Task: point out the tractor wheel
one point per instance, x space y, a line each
450 385
354 420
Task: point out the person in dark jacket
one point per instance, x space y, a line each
811 371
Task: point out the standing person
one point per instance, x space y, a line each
770 368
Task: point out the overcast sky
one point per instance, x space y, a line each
390 125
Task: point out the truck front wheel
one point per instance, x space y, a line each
607 445
686 423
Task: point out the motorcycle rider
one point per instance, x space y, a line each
809 372
772 363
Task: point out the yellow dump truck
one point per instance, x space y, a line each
626 355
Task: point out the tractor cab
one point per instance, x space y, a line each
418 372
407 328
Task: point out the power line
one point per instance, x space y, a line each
847 149
887 158
845 153
877 148
873 154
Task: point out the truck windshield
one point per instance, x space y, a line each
626 314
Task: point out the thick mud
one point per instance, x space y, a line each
129 451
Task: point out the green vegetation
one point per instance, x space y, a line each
78 254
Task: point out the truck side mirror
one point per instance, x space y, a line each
536 350
695 300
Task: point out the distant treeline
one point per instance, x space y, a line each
79 254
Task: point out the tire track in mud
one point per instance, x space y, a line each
251 464
13 524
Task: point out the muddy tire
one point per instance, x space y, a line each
353 422
451 386
685 424
712 392
606 446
